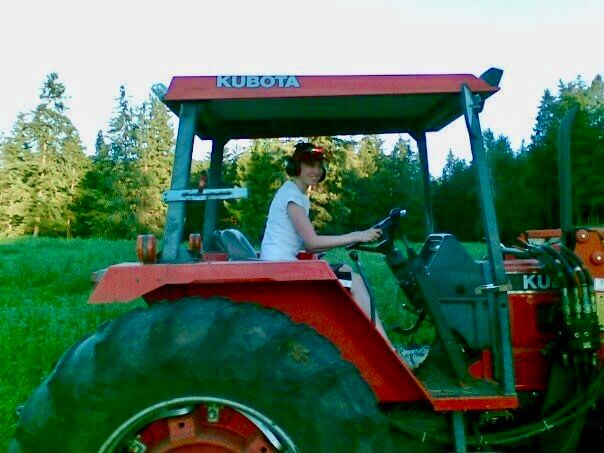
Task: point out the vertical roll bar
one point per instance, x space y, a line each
214 179
175 216
566 214
422 147
497 295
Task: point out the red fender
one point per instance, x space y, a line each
309 293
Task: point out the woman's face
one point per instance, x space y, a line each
310 172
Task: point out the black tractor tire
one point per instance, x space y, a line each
241 352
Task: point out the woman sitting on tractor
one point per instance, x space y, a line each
288 226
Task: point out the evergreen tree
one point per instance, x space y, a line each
110 203
587 147
367 162
152 169
52 164
123 139
96 190
455 201
542 166
260 169
541 158
407 187
505 180
545 119
116 176
15 168
100 146
370 151
333 199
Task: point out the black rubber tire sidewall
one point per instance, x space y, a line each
195 347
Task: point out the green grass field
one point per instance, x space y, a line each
44 286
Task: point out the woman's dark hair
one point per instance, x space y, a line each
304 152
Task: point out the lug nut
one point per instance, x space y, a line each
597 258
581 235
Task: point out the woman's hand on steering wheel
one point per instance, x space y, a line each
369 235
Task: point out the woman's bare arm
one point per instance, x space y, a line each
314 241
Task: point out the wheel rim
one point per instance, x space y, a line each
192 424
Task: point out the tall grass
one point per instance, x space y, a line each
44 287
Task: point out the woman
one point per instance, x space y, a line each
288 226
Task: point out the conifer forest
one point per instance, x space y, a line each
49 185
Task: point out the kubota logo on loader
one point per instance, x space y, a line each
536 281
531 282
279 81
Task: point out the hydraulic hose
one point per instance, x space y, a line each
562 273
558 418
591 325
569 274
557 275
523 254
589 281
581 333
565 414
576 338
549 266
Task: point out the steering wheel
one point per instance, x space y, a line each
388 227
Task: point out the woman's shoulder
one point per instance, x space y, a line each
288 189
289 185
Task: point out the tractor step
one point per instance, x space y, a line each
447 394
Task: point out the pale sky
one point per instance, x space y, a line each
97 46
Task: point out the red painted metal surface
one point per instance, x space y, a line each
197 432
589 246
475 403
483 367
125 282
540 234
200 88
309 293
528 338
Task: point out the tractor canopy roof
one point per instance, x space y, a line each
232 107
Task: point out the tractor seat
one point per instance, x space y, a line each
235 245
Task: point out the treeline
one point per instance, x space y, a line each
50 187
525 181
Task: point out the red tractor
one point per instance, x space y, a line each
238 354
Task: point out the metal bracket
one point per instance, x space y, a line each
136 445
213 412
207 194
491 288
473 105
